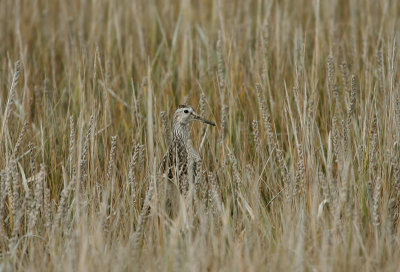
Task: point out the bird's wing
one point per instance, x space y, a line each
167 164
164 162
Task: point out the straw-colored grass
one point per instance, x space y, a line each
301 173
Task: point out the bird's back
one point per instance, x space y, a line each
175 164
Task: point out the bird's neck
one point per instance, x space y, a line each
180 132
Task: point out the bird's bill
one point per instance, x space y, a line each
204 120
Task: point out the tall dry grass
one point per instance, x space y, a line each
301 173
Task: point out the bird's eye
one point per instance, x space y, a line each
186 111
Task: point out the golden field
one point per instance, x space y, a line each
301 173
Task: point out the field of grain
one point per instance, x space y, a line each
302 171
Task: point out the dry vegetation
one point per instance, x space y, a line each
301 173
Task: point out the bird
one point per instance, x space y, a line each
181 161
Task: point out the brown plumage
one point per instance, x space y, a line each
181 161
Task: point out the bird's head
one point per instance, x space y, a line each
185 114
